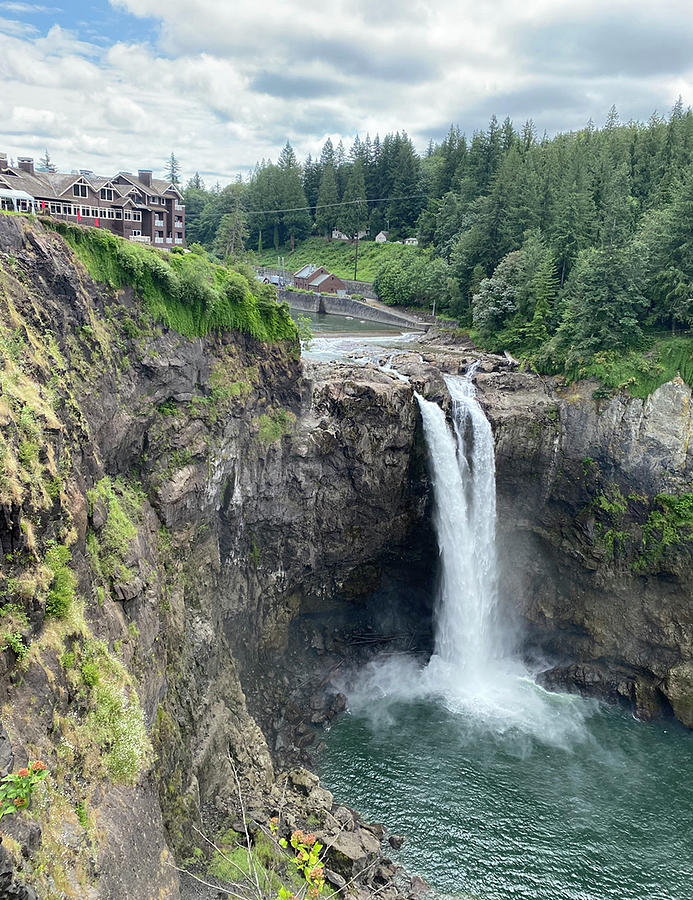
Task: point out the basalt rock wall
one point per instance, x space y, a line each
595 533
168 508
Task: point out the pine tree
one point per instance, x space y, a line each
295 219
172 173
46 164
353 214
327 211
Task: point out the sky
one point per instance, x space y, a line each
122 84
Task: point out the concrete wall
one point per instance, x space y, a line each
344 306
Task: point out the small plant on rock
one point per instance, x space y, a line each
16 788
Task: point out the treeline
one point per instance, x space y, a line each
376 185
552 248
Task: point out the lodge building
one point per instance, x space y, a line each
142 209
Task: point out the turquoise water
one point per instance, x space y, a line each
495 813
325 323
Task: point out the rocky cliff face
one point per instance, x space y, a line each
595 525
168 507
196 533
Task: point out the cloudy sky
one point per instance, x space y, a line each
120 84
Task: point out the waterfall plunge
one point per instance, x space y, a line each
464 482
474 670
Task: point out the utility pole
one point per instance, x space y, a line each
356 258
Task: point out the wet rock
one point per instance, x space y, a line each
418 888
344 818
6 754
679 690
351 852
396 841
304 780
335 878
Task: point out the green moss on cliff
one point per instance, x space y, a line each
274 426
640 373
647 533
186 292
120 505
668 527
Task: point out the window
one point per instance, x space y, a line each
136 232
95 213
119 214
67 209
55 208
127 215
137 217
86 212
106 194
79 190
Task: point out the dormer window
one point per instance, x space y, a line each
106 194
79 190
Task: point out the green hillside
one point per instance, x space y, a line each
337 257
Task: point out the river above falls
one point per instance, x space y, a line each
497 814
326 324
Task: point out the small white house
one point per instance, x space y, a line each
411 242
381 237
340 236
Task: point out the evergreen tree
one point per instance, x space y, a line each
295 219
405 203
46 164
172 173
353 215
327 210
604 305
312 175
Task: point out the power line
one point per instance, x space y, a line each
258 212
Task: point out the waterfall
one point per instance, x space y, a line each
464 484
475 670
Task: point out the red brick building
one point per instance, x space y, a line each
304 276
326 284
318 279
142 209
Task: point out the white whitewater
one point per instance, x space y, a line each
474 669
464 482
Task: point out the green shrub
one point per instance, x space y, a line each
185 292
62 588
274 426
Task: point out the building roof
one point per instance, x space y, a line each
9 194
319 280
305 271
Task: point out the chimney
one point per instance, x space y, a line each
26 164
145 176
3 161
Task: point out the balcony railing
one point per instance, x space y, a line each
158 240
180 206
159 222
140 238
179 240
169 240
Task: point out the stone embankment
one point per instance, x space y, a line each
305 301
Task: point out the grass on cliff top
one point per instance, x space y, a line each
640 373
337 257
184 291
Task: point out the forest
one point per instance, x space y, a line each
571 251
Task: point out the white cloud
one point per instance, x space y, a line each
228 83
